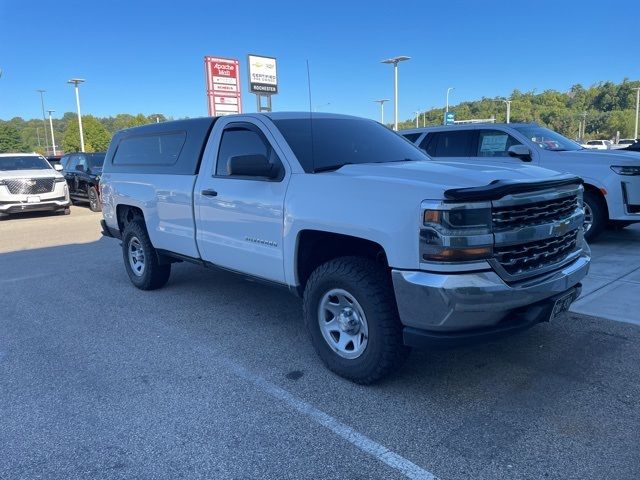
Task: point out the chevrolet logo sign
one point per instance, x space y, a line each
31 183
561 228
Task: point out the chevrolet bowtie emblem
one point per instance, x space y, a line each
561 228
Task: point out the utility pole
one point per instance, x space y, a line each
38 134
53 138
508 102
75 82
44 121
635 132
417 118
381 102
394 61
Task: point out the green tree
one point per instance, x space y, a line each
10 139
96 136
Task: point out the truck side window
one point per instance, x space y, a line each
71 163
412 137
495 143
448 143
240 140
82 164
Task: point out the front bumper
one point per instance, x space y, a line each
45 205
457 303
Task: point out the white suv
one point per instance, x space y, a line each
611 177
29 183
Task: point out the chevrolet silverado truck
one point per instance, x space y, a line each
29 183
388 249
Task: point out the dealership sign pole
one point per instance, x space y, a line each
222 76
263 79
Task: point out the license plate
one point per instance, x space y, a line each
33 199
561 306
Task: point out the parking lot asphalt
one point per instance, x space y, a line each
213 377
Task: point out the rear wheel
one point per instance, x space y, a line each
595 215
141 259
352 319
94 200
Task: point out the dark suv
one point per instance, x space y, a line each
82 172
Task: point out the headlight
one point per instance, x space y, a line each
456 233
626 170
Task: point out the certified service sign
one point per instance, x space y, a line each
263 76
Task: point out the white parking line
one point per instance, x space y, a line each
364 443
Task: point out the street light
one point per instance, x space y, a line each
53 138
381 102
394 61
44 121
447 105
417 118
635 132
76 82
508 103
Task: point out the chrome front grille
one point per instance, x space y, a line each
30 186
530 214
532 256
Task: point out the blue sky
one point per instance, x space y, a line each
142 56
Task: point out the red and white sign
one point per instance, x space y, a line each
223 86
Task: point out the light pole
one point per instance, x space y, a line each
635 132
44 121
381 102
508 103
417 118
75 82
394 61
53 138
447 105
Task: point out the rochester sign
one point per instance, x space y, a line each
263 76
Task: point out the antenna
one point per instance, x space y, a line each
313 166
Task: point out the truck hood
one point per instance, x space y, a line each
446 175
602 157
40 173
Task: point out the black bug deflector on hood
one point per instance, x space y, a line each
499 188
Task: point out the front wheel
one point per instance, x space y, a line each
595 215
141 259
94 200
352 319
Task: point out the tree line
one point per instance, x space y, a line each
19 135
609 108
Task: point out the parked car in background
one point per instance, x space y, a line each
634 147
29 183
387 248
623 143
598 144
82 172
612 177
54 159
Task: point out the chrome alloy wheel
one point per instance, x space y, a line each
343 323
136 256
588 218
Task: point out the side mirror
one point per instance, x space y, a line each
520 151
252 166
57 167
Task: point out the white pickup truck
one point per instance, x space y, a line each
388 249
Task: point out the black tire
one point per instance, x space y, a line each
94 200
370 285
153 274
598 208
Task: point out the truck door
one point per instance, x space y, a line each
239 217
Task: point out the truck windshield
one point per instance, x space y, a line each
548 139
341 141
23 162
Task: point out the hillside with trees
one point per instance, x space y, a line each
609 108
22 135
